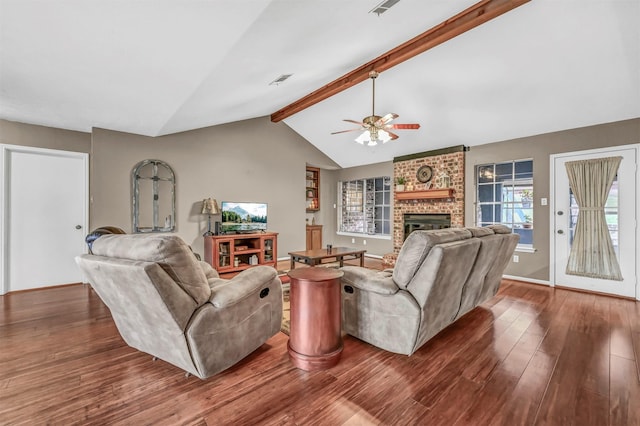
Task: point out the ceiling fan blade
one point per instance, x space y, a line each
359 123
402 126
384 120
393 135
345 131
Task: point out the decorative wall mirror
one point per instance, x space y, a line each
154 197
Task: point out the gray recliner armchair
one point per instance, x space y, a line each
439 276
168 304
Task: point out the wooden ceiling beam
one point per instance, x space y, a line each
472 17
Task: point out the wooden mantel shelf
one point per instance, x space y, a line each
425 194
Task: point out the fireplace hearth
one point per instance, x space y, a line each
424 221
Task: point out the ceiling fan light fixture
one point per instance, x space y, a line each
383 136
364 137
376 128
373 136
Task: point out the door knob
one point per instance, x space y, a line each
560 231
78 226
560 213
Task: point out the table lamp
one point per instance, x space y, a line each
209 207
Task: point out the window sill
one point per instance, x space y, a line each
359 235
524 249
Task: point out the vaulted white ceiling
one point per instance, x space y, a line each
160 67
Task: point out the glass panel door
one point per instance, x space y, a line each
620 211
224 253
268 250
611 214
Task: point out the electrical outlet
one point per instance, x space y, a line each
543 201
364 242
516 258
353 241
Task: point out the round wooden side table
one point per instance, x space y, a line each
315 339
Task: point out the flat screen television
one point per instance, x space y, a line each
243 217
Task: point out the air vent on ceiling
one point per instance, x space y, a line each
383 7
280 79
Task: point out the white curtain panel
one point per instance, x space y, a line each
592 253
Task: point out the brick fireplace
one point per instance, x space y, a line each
424 221
434 197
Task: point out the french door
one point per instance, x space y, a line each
621 216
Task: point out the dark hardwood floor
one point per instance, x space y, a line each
532 355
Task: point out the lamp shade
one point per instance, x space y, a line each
210 206
373 136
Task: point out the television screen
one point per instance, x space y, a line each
244 217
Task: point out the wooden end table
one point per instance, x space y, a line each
315 339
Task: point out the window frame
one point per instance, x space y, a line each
506 200
366 200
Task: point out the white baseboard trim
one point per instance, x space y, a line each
527 280
374 256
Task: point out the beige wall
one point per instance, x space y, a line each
13 133
256 160
539 148
326 216
252 160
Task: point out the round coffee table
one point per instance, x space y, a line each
315 339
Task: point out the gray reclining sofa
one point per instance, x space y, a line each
439 276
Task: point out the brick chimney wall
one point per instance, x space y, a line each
453 165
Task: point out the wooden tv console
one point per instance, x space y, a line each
221 251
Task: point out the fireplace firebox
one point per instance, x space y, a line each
425 221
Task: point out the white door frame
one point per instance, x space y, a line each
552 207
5 151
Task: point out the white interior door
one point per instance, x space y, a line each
44 205
620 210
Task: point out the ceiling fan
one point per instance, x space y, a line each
377 128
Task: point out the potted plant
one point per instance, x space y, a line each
400 181
527 221
526 196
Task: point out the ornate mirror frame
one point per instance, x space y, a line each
153 179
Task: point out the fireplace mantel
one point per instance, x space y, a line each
425 194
